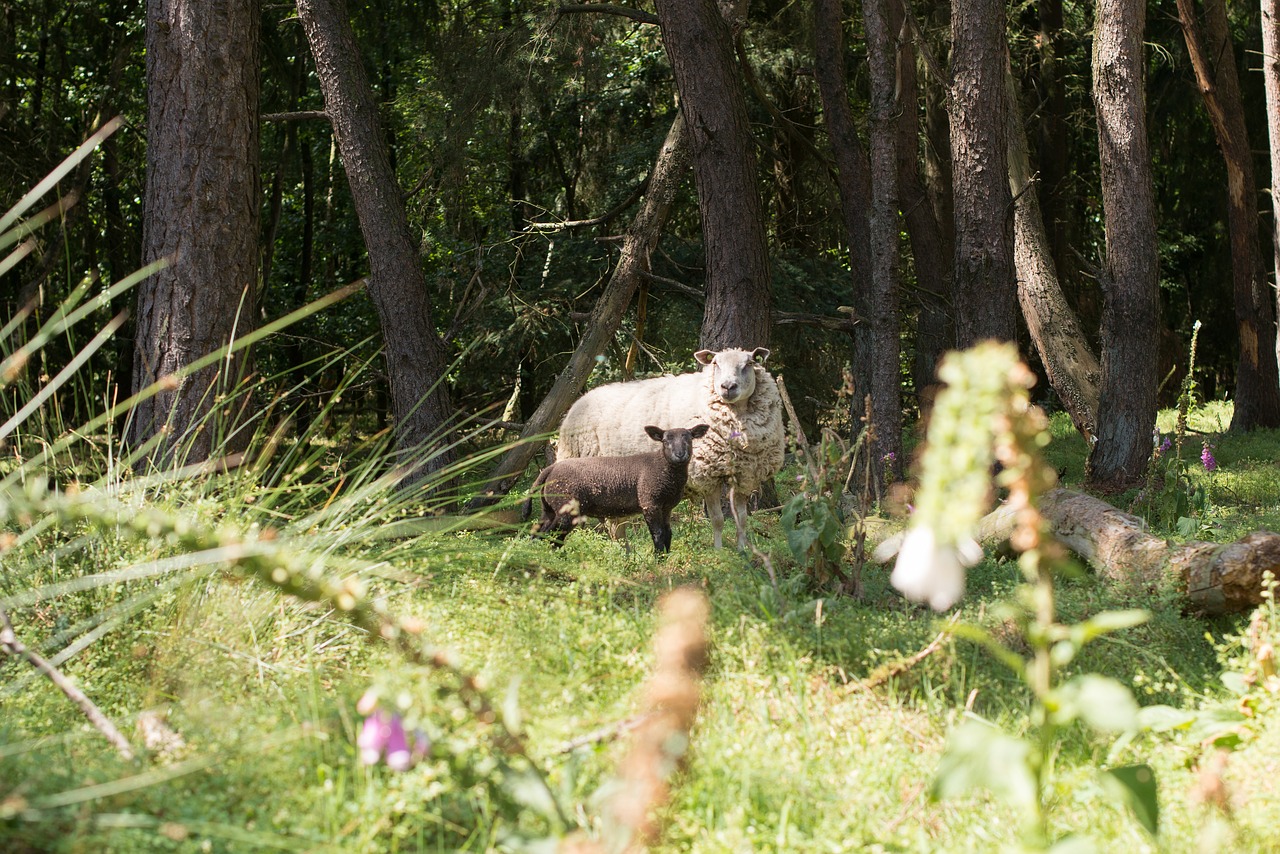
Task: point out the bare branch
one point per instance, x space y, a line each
604 8
299 116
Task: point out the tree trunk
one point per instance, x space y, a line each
739 299
1217 578
1271 79
882 306
983 284
930 248
201 209
639 243
416 358
1257 397
853 183
1130 273
1072 367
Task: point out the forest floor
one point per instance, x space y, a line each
799 744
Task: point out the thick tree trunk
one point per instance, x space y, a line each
1257 398
1072 367
201 210
882 307
1217 578
983 284
739 300
1271 80
1130 274
641 239
416 357
930 248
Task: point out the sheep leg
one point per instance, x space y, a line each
660 530
716 514
738 506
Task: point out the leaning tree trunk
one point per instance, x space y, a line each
416 357
1257 397
1271 78
882 316
201 211
739 300
1130 273
1072 367
633 262
983 282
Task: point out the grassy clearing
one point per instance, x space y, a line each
793 751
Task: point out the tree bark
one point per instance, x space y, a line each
1072 367
1271 80
739 299
930 247
201 210
415 356
853 183
1130 273
633 261
983 283
1217 578
882 306
1257 397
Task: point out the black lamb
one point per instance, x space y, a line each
651 484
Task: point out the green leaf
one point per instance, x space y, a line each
1214 722
1074 845
983 638
1100 701
1188 526
980 756
1164 718
1107 622
1136 786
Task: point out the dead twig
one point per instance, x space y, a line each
886 672
10 644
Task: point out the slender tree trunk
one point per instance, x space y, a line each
1257 398
1053 135
886 378
1130 274
853 181
739 299
1072 367
984 286
416 357
201 210
929 246
633 262
1271 78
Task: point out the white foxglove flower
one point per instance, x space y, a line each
927 571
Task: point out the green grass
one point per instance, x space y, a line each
790 752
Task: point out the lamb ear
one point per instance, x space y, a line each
760 354
699 431
655 433
704 357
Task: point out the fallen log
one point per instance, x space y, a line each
1216 578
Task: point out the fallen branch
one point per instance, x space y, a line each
10 644
884 673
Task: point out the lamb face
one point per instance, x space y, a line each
677 443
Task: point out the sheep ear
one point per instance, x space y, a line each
655 433
760 354
699 431
704 357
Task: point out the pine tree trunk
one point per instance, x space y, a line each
201 210
739 300
416 358
1271 79
1130 273
1071 365
1257 397
633 262
882 307
983 284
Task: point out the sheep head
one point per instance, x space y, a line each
733 374
677 443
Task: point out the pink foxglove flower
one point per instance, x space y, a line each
398 757
1206 458
927 571
374 734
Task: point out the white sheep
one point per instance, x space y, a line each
733 393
